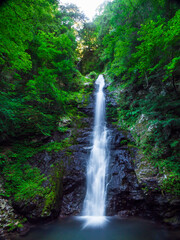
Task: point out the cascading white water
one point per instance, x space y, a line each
94 203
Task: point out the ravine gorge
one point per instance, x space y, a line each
89 121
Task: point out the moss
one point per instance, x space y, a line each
22 181
11 227
55 190
172 220
145 170
145 189
56 146
15 223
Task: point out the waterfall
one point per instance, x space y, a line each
94 203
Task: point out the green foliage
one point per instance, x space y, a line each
171 184
12 226
88 49
93 75
21 180
15 35
39 81
57 146
158 40
139 48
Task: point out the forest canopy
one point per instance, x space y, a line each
37 65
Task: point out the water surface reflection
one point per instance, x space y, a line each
114 229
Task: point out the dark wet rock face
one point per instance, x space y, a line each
74 180
74 183
124 196
164 207
133 182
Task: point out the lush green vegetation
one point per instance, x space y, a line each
39 79
20 179
134 42
138 44
40 89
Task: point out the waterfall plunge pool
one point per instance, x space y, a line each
113 229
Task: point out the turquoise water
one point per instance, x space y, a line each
113 229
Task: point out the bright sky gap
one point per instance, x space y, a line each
88 7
